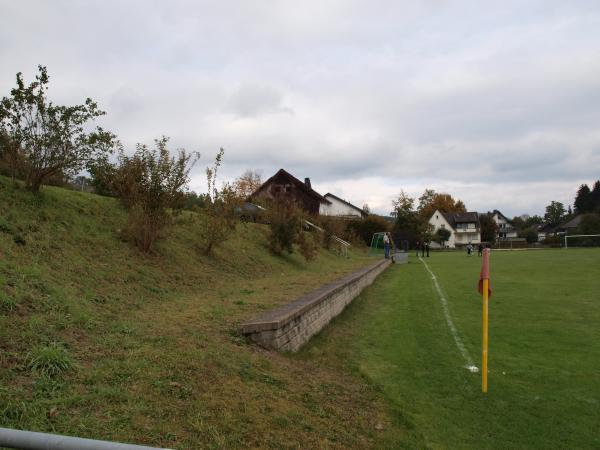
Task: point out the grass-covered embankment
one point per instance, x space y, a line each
147 348
544 357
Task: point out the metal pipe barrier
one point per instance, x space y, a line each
31 440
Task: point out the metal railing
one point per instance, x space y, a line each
31 440
343 244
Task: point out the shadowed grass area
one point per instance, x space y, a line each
98 340
544 363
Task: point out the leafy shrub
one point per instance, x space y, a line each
103 173
50 360
151 184
285 224
530 234
332 227
193 200
308 245
365 228
590 224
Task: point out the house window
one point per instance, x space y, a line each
288 187
437 217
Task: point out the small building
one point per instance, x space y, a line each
506 230
284 185
338 207
464 227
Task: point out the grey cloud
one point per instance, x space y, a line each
432 93
255 99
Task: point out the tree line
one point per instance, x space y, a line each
411 216
42 143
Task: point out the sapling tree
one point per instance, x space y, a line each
219 215
51 139
151 184
442 235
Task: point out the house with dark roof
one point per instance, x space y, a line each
506 230
570 225
464 227
341 208
283 185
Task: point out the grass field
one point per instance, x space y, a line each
98 340
544 363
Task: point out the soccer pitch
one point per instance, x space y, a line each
544 356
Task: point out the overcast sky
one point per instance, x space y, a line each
496 103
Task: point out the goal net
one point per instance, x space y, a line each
376 246
396 244
582 240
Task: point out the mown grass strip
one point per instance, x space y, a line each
544 364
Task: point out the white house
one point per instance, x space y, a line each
463 227
340 208
505 228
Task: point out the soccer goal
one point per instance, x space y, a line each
396 244
376 243
582 240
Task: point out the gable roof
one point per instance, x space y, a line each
329 194
455 218
573 223
295 181
501 215
466 217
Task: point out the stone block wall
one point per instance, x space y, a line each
289 327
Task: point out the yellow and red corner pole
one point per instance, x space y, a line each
484 354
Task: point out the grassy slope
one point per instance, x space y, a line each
158 359
544 354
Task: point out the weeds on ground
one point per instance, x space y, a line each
50 360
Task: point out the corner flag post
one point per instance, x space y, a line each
484 356
485 291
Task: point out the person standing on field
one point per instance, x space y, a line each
480 249
386 245
417 247
427 248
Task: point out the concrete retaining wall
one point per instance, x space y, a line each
291 326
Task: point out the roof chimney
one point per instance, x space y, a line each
307 182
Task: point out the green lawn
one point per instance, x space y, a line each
100 341
544 359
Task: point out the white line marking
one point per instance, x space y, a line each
459 343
